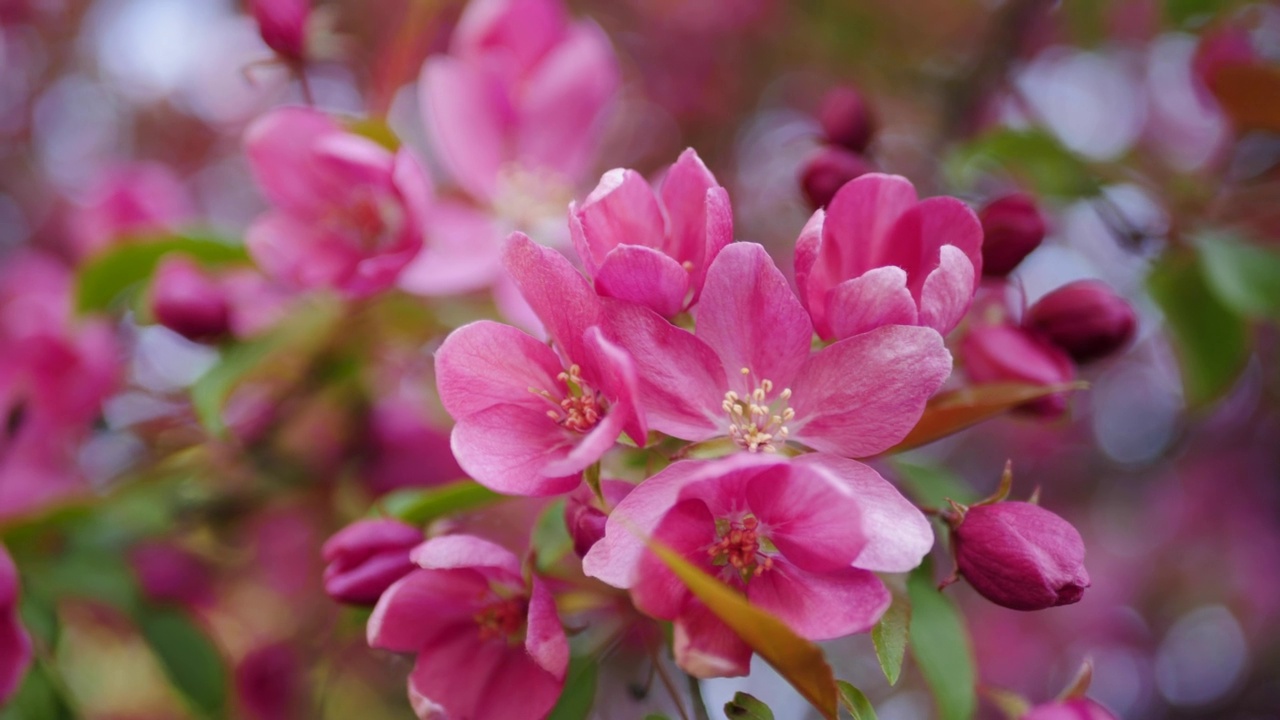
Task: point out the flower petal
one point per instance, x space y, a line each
688 528
280 147
467 118
545 639
948 291
298 253
856 234
455 552
820 606
643 276
613 372
878 297
421 604
462 252
810 516
508 449
686 193
622 210
486 363
557 293
705 647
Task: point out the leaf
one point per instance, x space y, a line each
940 647
1211 340
950 412
105 278
1034 157
579 691
1244 277
890 637
855 702
931 485
40 696
1249 94
551 540
421 506
189 658
745 707
797 660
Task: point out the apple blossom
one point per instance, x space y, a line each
1008 353
1085 318
366 557
189 302
1012 228
846 119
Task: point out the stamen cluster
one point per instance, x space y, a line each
756 422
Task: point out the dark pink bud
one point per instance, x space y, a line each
583 514
1020 556
1077 709
846 119
189 302
268 682
1012 227
1086 318
283 25
1006 353
367 557
169 574
828 171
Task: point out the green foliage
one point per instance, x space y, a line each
852 699
890 637
1034 158
1246 278
189 658
579 690
42 696
745 707
940 647
104 281
930 484
421 506
551 541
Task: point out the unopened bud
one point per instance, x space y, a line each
1012 228
827 171
1086 318
1077 709
189 302
1006 353
367 557
846 119
584 517
1020 556
283 25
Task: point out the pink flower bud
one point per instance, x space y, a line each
1086 318
583 516
189 302
1020 556
367 557
846 119
1005 353
268 682
169 574
283 25
1012 228
827 171
1076 709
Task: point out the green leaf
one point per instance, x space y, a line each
855 702
1211 340
39 697
40 618
103 280
189 658
1034 157
940 646
931 484
950 412
579 692
890 637
745 707
551 541
1244 277
419 507
657 716
87 575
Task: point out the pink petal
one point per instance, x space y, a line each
812 294
280 149
644 276
614 372
456 552
705 647
679 377
412 183
588 448
719 235
524 29
812 518
509 449
820 606
749 315
878 297
694 213
486 363
688 528
421 604
462 252
862 395
932 224
561 109
897 534
467 118
856 234
355 159
948 291
622 210
557 293
298 253
545 639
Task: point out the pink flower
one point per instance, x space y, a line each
269 681
366 557
170 574
130 200
406 448
347 213
1008 353
877 256
1085 318
653 248
15 643
1077 709
489 643
529 418
522 91
189 302
283 24
828 170
1012 228
800 538
846 119
748 372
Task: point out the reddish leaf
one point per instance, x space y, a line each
951 412
1250 95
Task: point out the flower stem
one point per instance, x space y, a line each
695 697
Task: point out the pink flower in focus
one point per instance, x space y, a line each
748 372
531 419
283 25
1008 353
366 557
878 256
15 643
800 538
347 213
130 200
1077 709
488 643
653 248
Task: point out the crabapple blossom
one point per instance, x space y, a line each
878 256
189 302
283 25
1012 228
473 621
131 199
1075 709
1008 353
366 557
1085 318
828 170
15 643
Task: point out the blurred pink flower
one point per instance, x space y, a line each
653 248
366 557
748 372
130 200
15 643
846 119
1008 353
169 574
828 170
269 682
877 256
188 301
347 213
529 418
488 643
1077 709
1012 228
283 25
800 538
406 448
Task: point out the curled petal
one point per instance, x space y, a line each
856 234
422 604
705 647
644 276
555 291
876 298
453 552
545 639
948 291
622 210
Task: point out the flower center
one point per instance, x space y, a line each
370 221
581 407
739 547
758 422
501 619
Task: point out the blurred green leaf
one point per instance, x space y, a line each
745 707
1211 340
189 658
855 702
100 576
40 617
940 646
39 697
1187 12
890 637
656 716
1244 277
551 540
103 280
421 506
930 485
579 692
1033 157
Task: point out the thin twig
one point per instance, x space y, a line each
695 697
670 686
